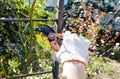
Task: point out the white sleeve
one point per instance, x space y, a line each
73 47
84 0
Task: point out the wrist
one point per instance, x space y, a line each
51 37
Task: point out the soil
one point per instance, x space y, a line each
115 74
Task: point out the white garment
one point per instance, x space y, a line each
73 70
84 0
73 47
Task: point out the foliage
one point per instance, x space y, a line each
21 50
97 65
104 42
82 21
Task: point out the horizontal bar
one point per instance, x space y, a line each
26 75
24 20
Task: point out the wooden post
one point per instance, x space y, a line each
59 30
60 15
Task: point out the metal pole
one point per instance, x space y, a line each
24 20
59 30
60 15
26 75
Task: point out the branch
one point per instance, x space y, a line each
26 75
24 20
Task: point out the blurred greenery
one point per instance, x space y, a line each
104 42
22 51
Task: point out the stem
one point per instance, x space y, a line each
3 68
31 36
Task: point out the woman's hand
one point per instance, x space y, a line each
53 43
58 35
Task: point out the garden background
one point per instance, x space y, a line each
23 51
